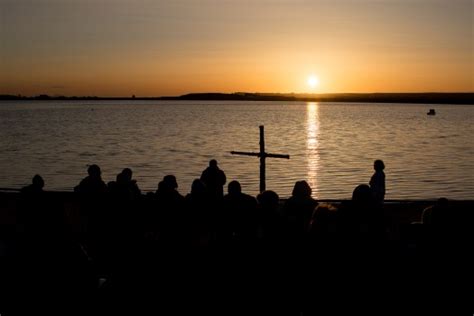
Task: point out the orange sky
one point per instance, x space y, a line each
154 48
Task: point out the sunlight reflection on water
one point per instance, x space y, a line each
312 146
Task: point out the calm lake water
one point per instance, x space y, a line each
332 145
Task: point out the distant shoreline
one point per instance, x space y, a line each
426 98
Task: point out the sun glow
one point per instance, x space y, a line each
313 81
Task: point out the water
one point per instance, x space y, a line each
332 145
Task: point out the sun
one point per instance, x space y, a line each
313 81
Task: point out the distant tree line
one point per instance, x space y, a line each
428 98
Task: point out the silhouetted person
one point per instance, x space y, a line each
198 189
48 263
91 193
269 217
121 218
299 208
125 188
92 184
112 185
41 216
34 210
377 182
323 231
362 221
200 213
171 215
323 221
35 187
241 213
362 195
168 188
129 182
214 179
438 214
198 197
362 211
446 245
444 222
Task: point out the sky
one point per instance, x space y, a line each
157 48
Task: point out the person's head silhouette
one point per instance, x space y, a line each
198 187
94 171
362 194
170 182
127 174
213 163
302 189
234 188
38 181
379 165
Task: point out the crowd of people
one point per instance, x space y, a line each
129 239
206 213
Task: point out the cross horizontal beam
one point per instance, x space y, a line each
277 156
244 153
259 154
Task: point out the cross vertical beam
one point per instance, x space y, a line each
263 155
262 159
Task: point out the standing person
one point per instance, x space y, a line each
214 179
377 182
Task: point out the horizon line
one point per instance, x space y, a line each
131 96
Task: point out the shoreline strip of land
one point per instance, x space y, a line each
424 98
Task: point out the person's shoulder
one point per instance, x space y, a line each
179 196
227 199
309 202
25 190
102 185
249 197
135 187
289 202
313 201
345 205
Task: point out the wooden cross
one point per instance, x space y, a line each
263 155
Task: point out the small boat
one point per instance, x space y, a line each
431 112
